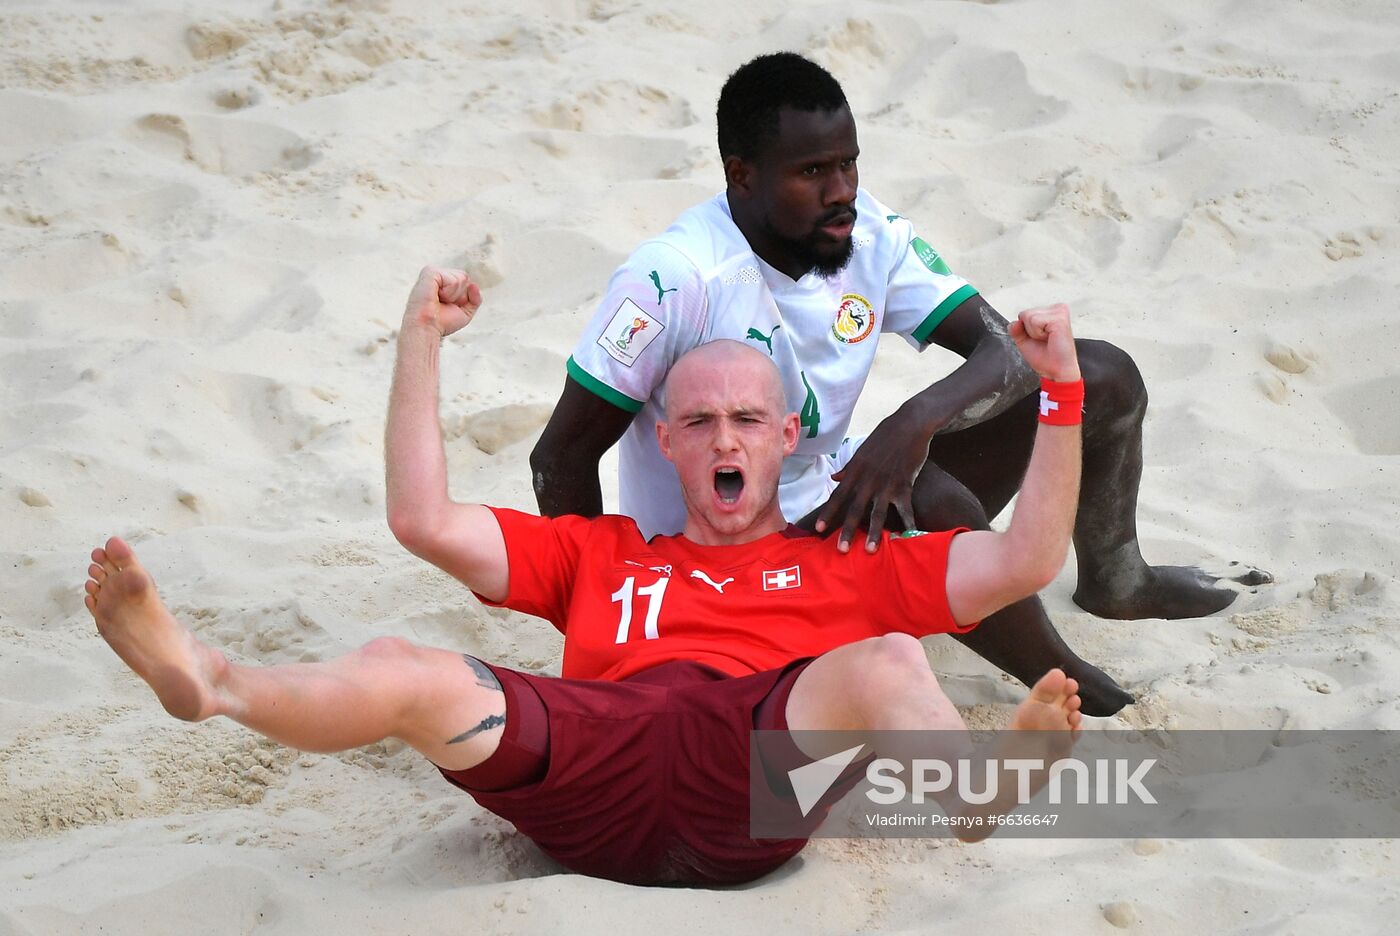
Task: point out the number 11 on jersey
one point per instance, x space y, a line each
654 593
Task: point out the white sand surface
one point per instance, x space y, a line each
210 214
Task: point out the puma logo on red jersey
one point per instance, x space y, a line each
717 586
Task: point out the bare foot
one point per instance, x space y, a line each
136 624
1045 727
1170 592
1053 705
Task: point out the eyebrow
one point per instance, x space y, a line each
739 411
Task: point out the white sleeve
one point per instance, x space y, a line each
652 313
922 290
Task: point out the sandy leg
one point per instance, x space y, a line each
448 706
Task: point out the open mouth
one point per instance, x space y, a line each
729 484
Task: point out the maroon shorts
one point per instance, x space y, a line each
644 781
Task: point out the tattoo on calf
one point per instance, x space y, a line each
484 677
486 724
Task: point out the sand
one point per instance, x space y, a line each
210 215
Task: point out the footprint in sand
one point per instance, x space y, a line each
237 98
616 106
224 145
1350 244
46 269
1333 592
214 40
282 633
495 429
255 414
1288 362
483 263
1289 359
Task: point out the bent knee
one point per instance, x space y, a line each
889 659
390 650
1112 381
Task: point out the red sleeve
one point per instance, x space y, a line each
542 555
914 573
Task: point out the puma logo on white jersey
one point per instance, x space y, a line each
717 586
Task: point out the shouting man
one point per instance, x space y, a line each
635 765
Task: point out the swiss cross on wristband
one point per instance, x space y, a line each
1061 404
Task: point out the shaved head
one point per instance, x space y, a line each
727 430
717 363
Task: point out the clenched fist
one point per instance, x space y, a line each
443 299
1044 338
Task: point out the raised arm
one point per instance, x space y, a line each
880 477
564 463
988 571
464 540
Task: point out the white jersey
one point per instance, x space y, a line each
699 281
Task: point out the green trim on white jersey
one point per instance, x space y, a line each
945 309
596 386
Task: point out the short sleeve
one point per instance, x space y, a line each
913 568
542 555
922 290
653 312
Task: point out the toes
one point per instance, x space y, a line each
91 603
97 573
1071 687
1073 703
119 552
1254 577
102 558
91 587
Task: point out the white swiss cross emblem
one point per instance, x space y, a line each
779 579
1047 405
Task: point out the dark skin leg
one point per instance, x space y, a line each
1019 639
1114 579
972 474
990 459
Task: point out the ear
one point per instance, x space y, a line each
792 428
739 175
663 439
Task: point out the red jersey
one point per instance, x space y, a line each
625 604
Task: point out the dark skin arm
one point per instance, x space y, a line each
880 476
564 463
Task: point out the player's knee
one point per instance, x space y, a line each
1113 385
942 503
893 667
389 650
894 659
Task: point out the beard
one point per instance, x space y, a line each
815 251
825 258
